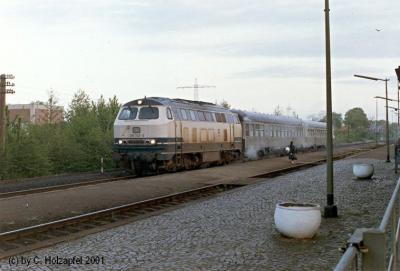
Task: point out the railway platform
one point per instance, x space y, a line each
235 230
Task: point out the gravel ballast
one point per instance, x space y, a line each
235 230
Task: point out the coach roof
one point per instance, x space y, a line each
269 118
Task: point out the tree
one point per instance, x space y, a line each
52 107
356 118
357 123
225 104
337 120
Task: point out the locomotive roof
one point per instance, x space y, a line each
176 102
269 118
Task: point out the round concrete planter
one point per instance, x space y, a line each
297 220
363 171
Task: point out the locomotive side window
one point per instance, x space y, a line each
223 119
128 113
169 114
147 113
201 116
193 115
177 114
208 116
247 130
184 116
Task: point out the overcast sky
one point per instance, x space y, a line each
258 54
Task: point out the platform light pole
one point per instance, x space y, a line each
387 110
330 209
376 121
398 96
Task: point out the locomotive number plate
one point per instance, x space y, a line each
136 130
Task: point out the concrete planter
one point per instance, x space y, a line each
363 171
297 220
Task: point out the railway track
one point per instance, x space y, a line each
48 188
62 186
39 236
34 237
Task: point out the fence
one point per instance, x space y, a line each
367 249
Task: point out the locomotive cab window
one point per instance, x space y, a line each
146 113
128 113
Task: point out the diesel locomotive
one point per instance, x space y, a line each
153 134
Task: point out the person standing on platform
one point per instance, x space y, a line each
292 152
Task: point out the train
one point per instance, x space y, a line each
156 134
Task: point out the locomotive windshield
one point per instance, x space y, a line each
147 113
128 113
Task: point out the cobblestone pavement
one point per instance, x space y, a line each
235 231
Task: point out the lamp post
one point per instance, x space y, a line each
398 96
387 110
376 121
330 209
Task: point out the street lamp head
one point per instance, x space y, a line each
370 78
398 73
366 77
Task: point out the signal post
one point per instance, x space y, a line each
3 92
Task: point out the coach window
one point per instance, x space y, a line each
148 113
192 115
251 130
128 113
169 113
247 130
201 116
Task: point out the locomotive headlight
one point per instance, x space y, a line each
139 102
153 141
120 141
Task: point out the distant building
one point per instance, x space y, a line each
35 113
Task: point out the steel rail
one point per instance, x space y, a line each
61 186
107 216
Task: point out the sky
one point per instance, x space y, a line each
258 54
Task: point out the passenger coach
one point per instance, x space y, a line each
264 133
161 133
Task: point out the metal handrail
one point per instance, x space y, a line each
347 259
388 212
359 241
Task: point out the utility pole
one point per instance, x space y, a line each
330 209
196 89
3 92
398 98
